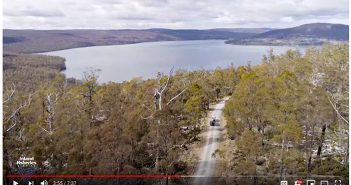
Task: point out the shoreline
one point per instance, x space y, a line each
225 41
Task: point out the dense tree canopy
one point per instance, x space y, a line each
292 110
298 104
80 126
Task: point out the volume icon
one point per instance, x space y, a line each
45 182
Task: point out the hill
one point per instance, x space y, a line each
307 34
33 41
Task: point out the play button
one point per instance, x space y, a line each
14 183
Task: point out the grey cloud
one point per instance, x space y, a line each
34 13
41 13
153 3
119 14
135 18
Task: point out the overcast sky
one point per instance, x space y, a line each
138 14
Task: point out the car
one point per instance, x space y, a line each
214 122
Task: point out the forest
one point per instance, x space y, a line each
288 115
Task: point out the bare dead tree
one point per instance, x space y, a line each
150 110
160 89
50 102
176 96
14 117
12 92
334 104
21 136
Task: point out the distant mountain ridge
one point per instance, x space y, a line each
34 41
194 34
244 30
307 34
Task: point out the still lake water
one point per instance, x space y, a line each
124 62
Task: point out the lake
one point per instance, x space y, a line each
124 62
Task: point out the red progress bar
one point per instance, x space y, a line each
143 176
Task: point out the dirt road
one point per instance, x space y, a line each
206 167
